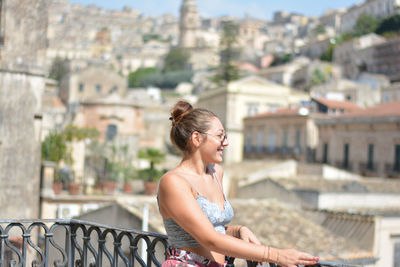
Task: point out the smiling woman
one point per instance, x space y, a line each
195 211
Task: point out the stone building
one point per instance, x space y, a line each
365 141
284 133
91 82
374 8
364 92
386 59
289 132
365 212
243 98
356 55
202 45
189 24
391 93
23 27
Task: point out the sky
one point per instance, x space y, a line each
262 9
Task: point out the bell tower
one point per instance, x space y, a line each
189 24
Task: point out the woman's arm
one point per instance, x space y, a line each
176 201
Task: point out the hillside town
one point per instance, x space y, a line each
310 105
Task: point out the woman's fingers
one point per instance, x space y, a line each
307 259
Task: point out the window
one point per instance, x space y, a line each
370 163
98 88
325 153
2 23
284 141
271 141
260 139
111 132
114 89
397 158
346 156
247 147
298 139
396 251
81 87
252 109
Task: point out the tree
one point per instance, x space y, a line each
176 60
54 148
228 71
389 25
58 69
167 80
281 59
365 24
135 78
317 77
328 55
154 156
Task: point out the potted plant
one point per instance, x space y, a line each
73 188
151 175
57 184
129 174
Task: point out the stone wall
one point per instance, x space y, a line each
24 29
20 122
22 52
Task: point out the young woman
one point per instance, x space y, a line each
193 206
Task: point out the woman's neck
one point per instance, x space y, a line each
193 165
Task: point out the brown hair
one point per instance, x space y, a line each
186 120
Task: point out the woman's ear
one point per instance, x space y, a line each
196 139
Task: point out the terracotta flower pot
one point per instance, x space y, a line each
150 188
73 189
57 188
109 187
127 188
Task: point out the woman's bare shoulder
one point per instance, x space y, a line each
171 182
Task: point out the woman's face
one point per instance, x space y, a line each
216 140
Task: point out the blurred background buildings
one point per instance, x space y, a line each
311 106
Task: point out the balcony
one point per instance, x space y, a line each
368 169
279 152
342 165
67 243
392 170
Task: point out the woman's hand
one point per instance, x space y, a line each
246 235
293 258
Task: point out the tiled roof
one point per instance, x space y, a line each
372 185
345 105
278 112
383 110
284 226
278 225
56 102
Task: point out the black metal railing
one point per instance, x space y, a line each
68 243
77 243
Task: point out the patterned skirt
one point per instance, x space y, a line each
182 258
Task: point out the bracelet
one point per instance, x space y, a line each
277 258
262 259
239 235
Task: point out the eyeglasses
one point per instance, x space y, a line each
222 136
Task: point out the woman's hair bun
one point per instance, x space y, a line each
180 109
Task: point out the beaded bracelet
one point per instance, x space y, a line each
239 231
262 259
277 258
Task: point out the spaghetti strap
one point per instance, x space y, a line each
214 174
186 181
